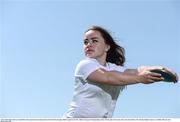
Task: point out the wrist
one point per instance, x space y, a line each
138 78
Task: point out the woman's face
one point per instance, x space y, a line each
94 45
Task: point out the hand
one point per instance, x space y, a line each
171 71
148 77
148 68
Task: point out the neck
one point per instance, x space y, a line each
102 60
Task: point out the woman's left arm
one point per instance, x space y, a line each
148 68
142 68
131 71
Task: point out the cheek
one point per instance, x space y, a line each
84 46
100 49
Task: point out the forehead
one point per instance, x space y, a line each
92 33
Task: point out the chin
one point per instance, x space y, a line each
89 56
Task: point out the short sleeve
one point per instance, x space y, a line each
86 67
117 67
120 68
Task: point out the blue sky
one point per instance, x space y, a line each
41 44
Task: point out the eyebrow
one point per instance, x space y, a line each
91 38
94 38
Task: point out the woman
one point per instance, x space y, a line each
100 77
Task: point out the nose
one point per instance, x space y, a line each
89 43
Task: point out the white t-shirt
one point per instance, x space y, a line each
93 99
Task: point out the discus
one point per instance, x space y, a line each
167 75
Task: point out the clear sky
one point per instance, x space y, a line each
41 44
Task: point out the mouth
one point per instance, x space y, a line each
89 51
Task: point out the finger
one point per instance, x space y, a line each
155 67
173 72
154 74
177 78
149 81
169 70
156 77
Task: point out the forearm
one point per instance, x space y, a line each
123 78
131 71
134 76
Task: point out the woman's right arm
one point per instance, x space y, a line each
124 78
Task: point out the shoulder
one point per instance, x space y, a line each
85 67
116 67
86 62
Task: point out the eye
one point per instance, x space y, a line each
85 42
94 40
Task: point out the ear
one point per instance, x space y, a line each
107 48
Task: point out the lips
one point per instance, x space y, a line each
88 51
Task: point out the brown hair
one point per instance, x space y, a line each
116 53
